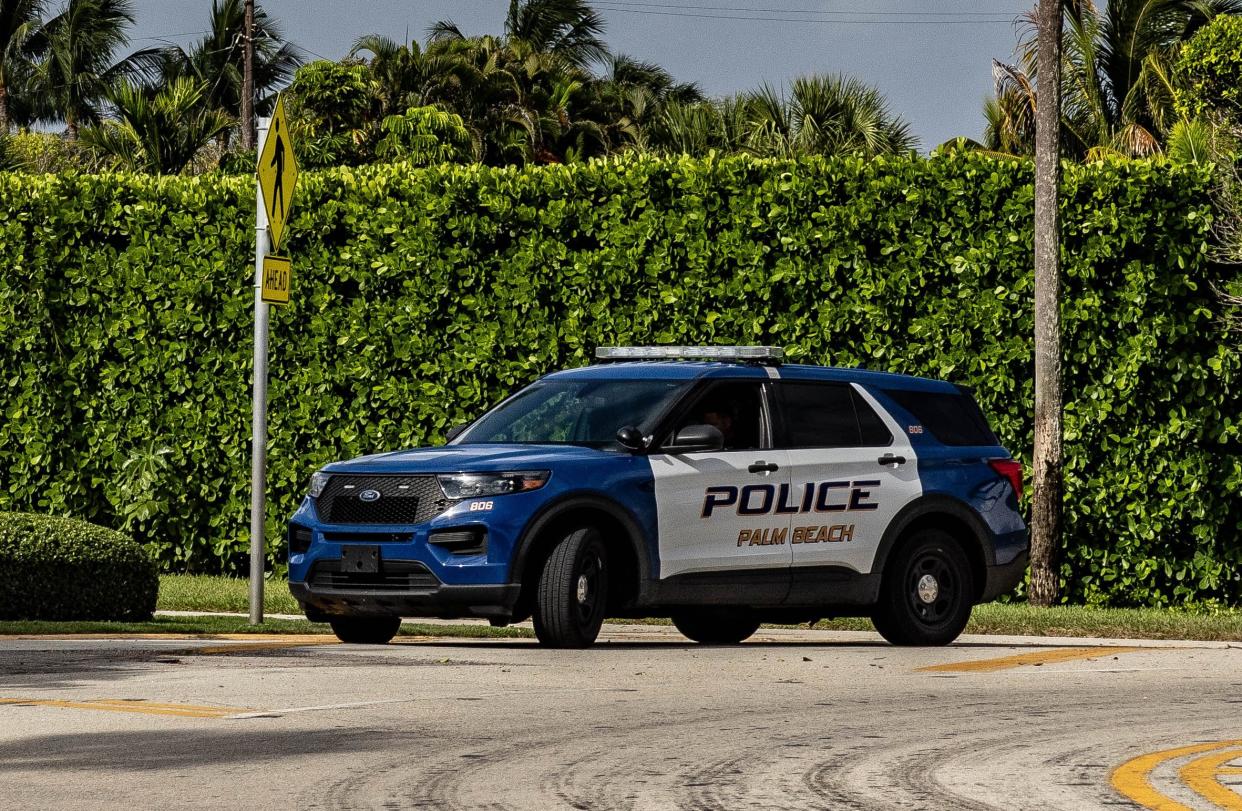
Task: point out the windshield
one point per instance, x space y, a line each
576 412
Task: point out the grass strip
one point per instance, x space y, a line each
1020 619
196 592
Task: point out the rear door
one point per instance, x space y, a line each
721 536
852 469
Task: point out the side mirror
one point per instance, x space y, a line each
694 438
631 438
454 432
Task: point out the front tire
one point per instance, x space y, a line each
927 592
365 630
715 628
573 591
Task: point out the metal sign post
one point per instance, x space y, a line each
258 433
277 175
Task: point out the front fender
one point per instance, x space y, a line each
583 502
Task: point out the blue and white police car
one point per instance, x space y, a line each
715 485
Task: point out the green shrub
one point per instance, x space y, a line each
421 297
64 569
48 153
1208 72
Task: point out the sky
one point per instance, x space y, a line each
931 58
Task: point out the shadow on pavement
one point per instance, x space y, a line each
605 644
155 750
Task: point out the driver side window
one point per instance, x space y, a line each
735 408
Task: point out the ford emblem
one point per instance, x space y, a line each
369 496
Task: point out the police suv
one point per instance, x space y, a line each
715 485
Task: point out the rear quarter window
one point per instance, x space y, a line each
954 418
828 415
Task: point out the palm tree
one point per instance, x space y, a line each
158 132
826 115
697 128
527 95
1116 93
77 67
19 19
216 60
407 75
822 115
638 93
568 29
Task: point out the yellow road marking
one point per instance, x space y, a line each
243 647
1201 773
1040 657
140 706
1132 779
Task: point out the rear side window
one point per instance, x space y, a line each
953 418
828 415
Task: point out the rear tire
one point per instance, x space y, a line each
927 593
365 630
573 591
715 628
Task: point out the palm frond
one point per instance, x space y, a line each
444 31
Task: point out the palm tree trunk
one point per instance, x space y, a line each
4 108
1047 473
71 127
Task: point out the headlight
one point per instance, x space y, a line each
318 482
474 485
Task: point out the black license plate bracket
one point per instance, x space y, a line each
359 559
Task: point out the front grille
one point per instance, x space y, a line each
402 500
393 575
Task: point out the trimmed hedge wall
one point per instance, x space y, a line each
423 296
62 569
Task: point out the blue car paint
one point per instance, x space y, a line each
963 474
618 477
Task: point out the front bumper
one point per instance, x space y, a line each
415 576
442 600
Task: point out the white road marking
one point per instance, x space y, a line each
277 713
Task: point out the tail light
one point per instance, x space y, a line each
1011 469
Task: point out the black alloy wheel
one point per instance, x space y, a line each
927 591
572 596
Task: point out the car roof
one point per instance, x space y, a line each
694 370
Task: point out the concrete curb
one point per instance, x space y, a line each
669 633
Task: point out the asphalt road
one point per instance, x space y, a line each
790 720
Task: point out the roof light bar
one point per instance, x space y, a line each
744 354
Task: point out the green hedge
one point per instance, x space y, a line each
62 569
423 296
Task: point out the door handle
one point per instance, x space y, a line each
890 459
763 467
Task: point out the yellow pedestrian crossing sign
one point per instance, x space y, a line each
278 173
277 273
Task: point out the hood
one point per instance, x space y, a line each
469 459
